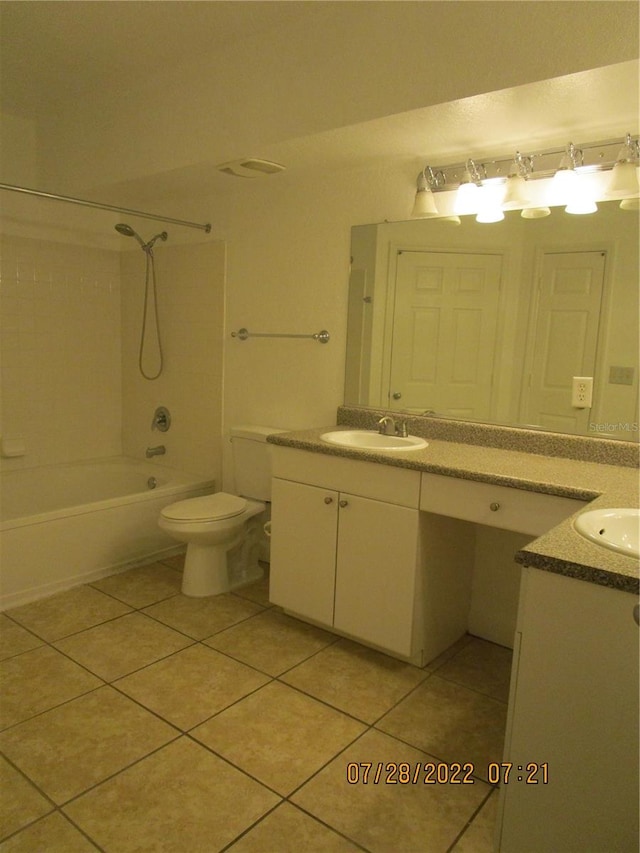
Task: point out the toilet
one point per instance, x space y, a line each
224 532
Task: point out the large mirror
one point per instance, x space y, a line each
524 322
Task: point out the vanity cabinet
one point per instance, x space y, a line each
573 716
351 551
345 561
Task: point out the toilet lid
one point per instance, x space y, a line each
207 508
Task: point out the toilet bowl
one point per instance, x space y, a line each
223 532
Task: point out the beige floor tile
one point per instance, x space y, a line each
202 617
192 685
181 798
355 679
257 591
38 680
389 818
278 735
68 612
123 645
481 666
143 586
288 830
479 836
69 749
21 803
271 641
450 722
15 639
53 834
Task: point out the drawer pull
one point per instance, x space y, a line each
328 500
343 503
494 507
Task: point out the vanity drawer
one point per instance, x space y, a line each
495 506
367 479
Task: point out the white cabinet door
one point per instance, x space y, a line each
303 549
574 707
376 571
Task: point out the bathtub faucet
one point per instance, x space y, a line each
160 450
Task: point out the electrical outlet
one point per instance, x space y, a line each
582 392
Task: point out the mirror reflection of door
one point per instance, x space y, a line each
444 333
565 337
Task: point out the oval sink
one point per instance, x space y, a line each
366 439
616 529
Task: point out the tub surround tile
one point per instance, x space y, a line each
53 833
279 736
68 612
191 686
358 680
37 681
180 798
143 586
202 617
289 830
123 645
14 639
21 802
427 818
481 666
271 641
69 749
450 722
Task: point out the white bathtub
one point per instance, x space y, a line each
63 525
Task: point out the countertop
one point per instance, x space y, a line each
561 550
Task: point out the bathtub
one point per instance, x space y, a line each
63 525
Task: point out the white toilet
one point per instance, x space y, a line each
223 532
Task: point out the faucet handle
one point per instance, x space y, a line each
402 430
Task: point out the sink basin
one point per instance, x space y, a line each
366 439
616 529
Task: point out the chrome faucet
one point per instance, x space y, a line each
160 450
387 426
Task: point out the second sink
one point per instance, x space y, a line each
616 529
366 439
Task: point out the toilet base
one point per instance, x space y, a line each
205 571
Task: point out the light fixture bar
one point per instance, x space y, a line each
596 157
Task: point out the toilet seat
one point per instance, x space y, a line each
207 508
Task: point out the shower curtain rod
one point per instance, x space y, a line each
206 227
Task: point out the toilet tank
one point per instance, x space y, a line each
252 460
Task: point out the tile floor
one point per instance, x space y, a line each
136 719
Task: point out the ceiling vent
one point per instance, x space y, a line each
250 168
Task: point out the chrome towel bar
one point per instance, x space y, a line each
322 336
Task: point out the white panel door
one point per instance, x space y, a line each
565 338
444 332
376 572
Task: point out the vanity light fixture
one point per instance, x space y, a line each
467 198
424 206
515 174
624 176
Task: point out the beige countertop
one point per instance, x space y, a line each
561 549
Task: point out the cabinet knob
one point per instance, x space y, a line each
397 395
494 507
328 500
343 503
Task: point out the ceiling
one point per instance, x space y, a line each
55 53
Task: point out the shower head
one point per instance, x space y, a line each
127 231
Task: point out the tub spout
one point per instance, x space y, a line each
160 450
